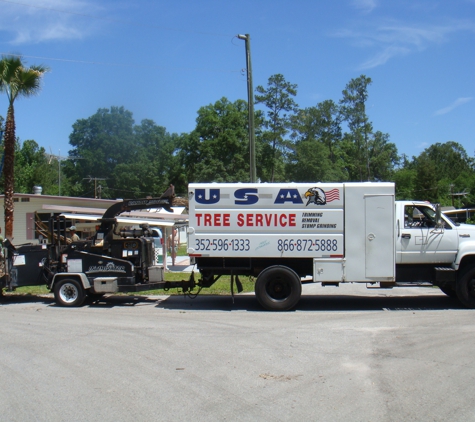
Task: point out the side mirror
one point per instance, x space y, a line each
438 215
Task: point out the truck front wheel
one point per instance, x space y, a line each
69 292
449 290
278 288
466 287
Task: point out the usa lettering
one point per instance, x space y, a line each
247 196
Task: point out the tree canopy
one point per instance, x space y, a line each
333 141
112 157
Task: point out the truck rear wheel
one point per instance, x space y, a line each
278 288
466 287
69 292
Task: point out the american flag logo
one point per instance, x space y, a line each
332 195
318 196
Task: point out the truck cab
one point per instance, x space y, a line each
423 237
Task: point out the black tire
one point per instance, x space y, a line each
278 288
69 292
466 287
449 290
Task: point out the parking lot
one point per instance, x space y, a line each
345 353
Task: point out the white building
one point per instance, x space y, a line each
32 208
26 205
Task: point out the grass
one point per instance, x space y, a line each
29 291
221 287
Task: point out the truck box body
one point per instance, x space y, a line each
287 233
347 229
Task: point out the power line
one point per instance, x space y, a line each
123 23
85 15
121 64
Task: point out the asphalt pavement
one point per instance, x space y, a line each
344 354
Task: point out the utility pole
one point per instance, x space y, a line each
250 98
453 195
90 178
60 158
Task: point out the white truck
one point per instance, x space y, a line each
286 234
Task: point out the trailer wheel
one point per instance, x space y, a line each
466 287
278 288
69 292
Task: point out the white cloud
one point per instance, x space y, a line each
47 21
394 39
385 55
457 103
365 6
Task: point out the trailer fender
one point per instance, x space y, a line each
81 277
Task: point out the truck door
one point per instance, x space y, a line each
420 241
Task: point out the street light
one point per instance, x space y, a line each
250 97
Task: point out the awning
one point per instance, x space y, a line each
124 220
152 213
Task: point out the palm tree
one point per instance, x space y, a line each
16 80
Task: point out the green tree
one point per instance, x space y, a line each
278 98
405 176
100 143
353 108
382 156
33 168
218 149
368 155
151 170
426 185
442 170
450 158
310 162
116 158
16 81
316 152
189 155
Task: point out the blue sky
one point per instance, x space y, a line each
163 60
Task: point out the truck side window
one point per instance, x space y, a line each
419 217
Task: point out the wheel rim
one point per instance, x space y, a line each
68 293
278 289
